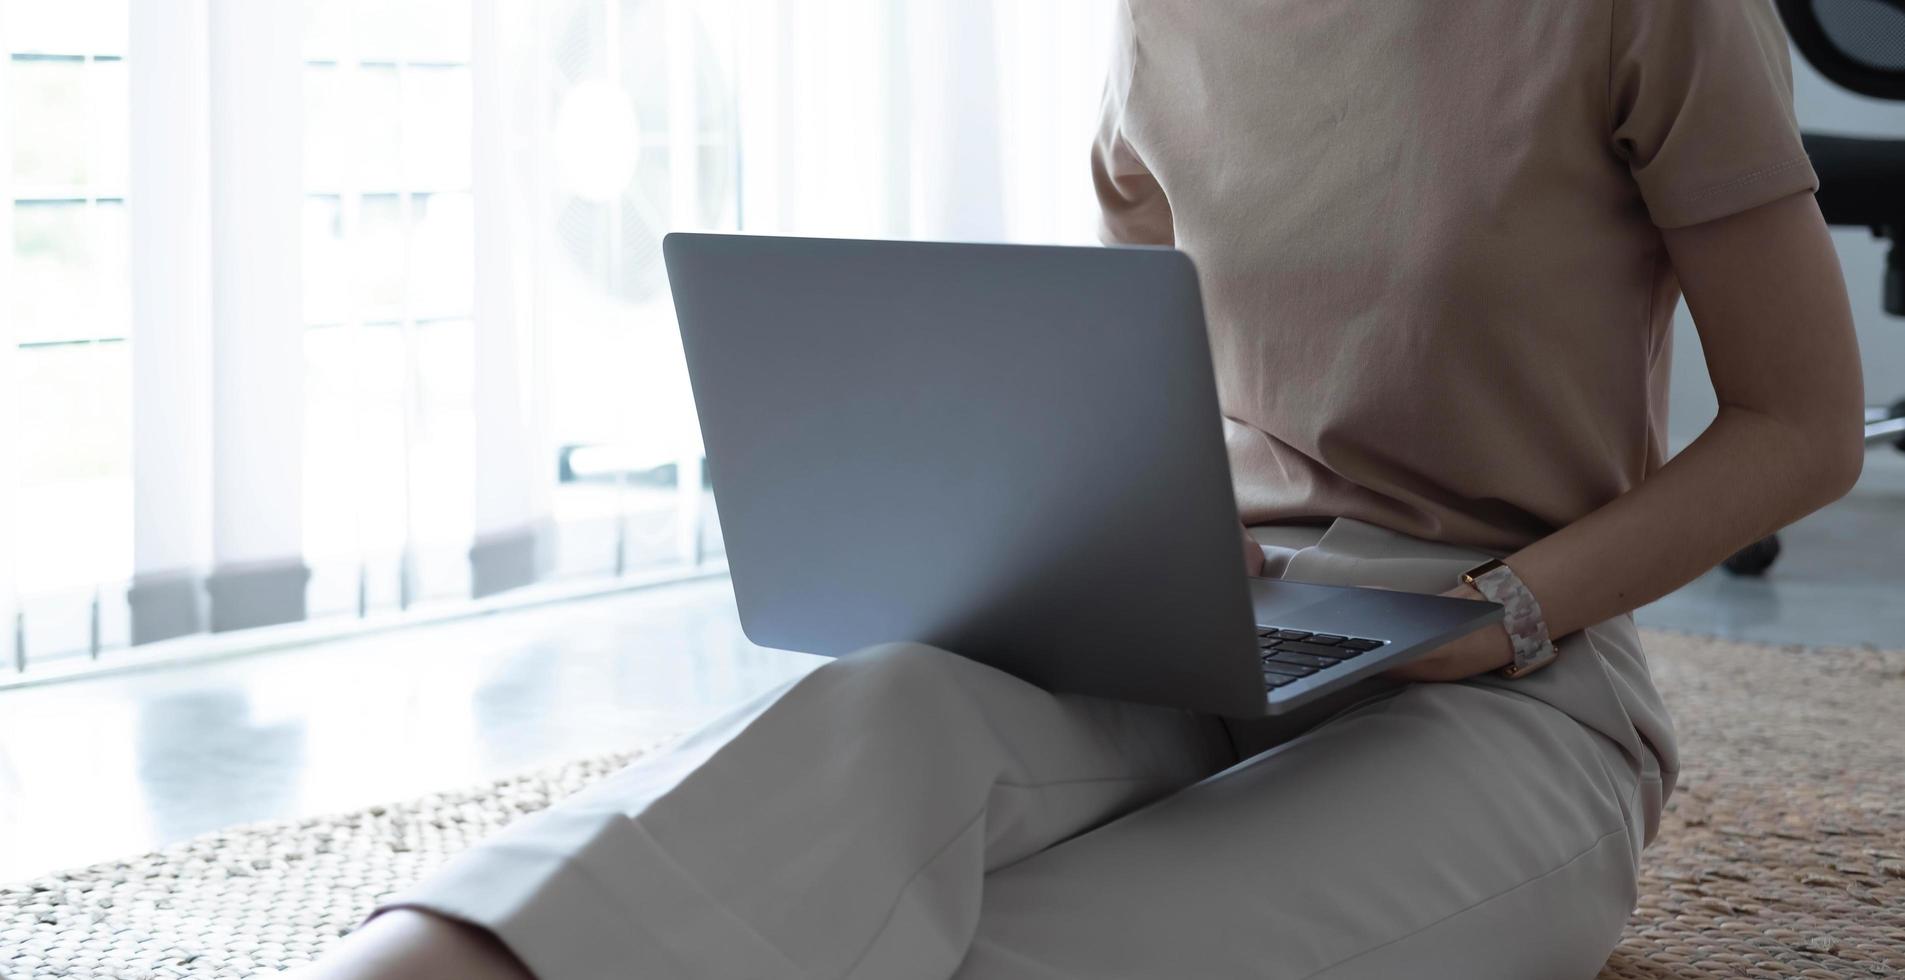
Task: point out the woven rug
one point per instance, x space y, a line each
1783 854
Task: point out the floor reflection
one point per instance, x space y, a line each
204 762
104 768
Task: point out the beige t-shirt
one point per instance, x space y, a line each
1427 233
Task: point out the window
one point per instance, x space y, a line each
480 408
388 251
67 320
631 134
639 137
644 140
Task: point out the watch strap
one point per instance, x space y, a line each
1521 616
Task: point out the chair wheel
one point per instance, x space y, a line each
1754 559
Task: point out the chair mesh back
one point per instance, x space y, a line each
1858 44
1870 32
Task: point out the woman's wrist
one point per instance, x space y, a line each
1522 619
1495 649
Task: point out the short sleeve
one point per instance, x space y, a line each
1701 101
1131 204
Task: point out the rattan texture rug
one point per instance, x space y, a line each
1783 854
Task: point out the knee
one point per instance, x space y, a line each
903 677
898 665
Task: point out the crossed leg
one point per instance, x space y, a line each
841 827
906 813
1447 831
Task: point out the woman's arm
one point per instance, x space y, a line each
1769 301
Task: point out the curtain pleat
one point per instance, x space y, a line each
951 119
169 213
217 331
513 534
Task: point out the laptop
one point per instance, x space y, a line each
1010 452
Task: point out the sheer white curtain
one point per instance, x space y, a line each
956 119
217 336
512 524
170 218
295 238
961 119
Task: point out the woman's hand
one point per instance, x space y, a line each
1253 554
1484 650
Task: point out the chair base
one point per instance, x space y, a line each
1753 560
1886 425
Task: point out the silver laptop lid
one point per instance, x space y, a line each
1011 452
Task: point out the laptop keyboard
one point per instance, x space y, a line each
1291 655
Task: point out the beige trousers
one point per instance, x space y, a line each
907 813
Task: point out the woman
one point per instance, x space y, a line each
1441 245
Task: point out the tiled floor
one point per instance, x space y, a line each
94 769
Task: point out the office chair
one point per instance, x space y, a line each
1858 45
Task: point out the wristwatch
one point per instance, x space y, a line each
1521 617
